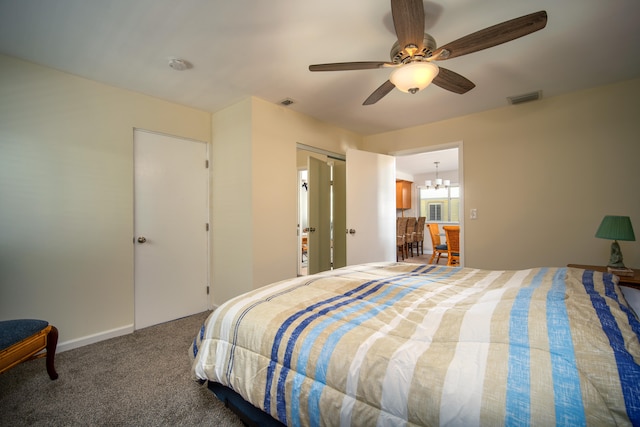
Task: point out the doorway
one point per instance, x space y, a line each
171 238
321 211
362 219
442 205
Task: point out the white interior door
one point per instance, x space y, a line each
170 224
371 215
319 209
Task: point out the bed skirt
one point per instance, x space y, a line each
248 414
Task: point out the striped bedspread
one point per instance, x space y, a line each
393 344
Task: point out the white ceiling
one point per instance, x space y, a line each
421 163
256 48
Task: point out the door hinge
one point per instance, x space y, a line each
206 226
206 164
207 290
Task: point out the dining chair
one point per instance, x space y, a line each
304 248
401 227
452 233
410 235
420 235
438 249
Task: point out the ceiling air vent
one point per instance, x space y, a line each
527 97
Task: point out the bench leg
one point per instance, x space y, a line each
52 343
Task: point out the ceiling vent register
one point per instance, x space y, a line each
527 97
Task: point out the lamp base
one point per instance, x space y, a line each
615 260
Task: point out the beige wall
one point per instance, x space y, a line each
66 195
542 175
260 193
231 202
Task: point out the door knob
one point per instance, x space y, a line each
142 239
352 231
312 229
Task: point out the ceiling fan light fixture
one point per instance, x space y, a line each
415 76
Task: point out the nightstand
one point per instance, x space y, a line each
630 281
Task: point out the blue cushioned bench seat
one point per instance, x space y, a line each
24 339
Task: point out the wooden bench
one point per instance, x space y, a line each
24 339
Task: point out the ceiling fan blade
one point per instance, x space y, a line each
379 93
344 66
493 36
408 20
453 81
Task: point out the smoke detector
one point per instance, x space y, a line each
179 64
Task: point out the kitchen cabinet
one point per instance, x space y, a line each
403 194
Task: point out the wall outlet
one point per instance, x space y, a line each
473 213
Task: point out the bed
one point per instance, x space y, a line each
423 345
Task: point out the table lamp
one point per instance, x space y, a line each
616 228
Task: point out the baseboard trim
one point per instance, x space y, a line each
91 339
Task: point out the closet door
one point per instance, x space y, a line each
319 209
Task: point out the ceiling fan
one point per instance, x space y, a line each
413 54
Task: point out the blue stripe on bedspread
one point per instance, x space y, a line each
196 341
628 369
611 293
332 304
246 311
569 408
566 377
518 377
333 339
288 352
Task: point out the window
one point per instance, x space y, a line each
435 211
441 205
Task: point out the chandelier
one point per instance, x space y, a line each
439 182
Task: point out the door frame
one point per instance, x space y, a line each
431 148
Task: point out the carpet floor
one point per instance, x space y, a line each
140 379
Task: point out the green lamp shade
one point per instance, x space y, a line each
615 227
